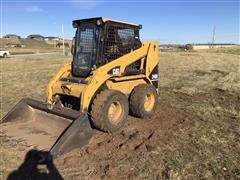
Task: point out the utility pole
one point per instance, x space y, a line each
63 40
213 36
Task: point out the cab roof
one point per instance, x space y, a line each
104 20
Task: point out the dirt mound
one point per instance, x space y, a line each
133 149
139 136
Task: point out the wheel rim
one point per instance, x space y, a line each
149 102
115 111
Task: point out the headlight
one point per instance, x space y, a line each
99 22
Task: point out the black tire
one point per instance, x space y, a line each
102 119
139 97
4 55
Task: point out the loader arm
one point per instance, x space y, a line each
117 68
63 69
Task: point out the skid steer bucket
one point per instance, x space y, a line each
56 130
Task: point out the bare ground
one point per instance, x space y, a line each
194 134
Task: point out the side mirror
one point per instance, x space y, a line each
73 46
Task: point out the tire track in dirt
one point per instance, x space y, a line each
138 137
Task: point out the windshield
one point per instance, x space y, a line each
86 45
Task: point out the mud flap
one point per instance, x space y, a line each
57 130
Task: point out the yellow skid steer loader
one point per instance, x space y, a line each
112 74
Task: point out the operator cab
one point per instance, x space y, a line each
100 40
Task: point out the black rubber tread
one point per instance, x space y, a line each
100 108
137 99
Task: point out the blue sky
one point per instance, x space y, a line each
167 21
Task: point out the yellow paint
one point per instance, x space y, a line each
125 87
149 102
50 90
148 54
115 111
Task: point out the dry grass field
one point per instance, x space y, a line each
195 133
31 46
